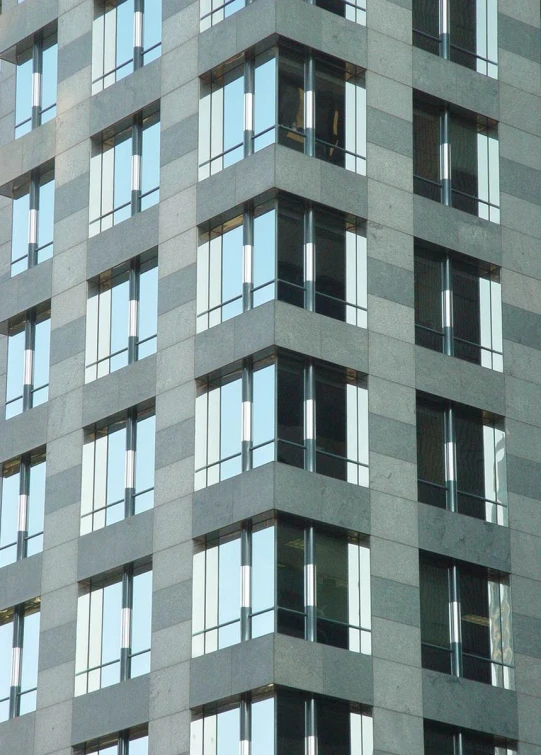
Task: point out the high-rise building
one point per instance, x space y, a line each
270 375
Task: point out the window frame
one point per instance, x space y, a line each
97 461
24 507
209 633
260 441
32 51
106 177
501 658
490 345
122 740
89 627
216 112
27 324
104 31
100 320
214 245
486 54
17 616
485 204
33 187
459 737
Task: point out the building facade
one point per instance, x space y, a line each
270 349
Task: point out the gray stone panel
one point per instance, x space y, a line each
519 37
17 734
20 581
23 21
24 291
23 432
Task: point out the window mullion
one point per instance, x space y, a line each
125 622
33 209
246 416
311 726
245 582
310 584
137 151
454 610
16 661
37 70
450 459
29 340
249 104
123 743
447 307
445 157
445 29
131 443
133 286
245 725
459 743
309 259
247 254
138 9
309 417
309 105
22 509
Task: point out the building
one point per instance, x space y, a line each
270 285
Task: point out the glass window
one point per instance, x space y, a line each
214 11
27 382
124 171
299 253
456 159
234 433
285 723
126 35
32 220
36 82
448 740
19 650
113 628
466 621
256 581
461 460
132 742
458 307
311 103
122 316
118 469
464 32
22 506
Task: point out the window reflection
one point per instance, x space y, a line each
132 742
300 253
27 383
22 506
122 316
311 103
118 469
446 740
36 81
464 32
19 651
32 220
475 640
113 628
227 444
125 36
456 159
256 580
461 460
284 722
124 170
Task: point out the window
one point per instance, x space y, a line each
461 459
35 88
458 307
118 469
317 421
127 34
311 103
285 723
465 32
125 171
466 621
283 249
286 576
32 220
113 628
29 337
214 11
19 645
22 506
447 740
121 316
132 742
456 159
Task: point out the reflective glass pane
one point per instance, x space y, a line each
124 38
152 30
144 463
431 455
29 664
230 427
290 579
228 731
36 504
233 119
332 589
122 176
230 267
291 101
49 80
262 724
470 462
428 302
46 220
117 329
291 252
264 257
15 371
426 25
475 625
263 404
111 634
23 95
290 724
462 22
6 644
333 728
265 101
229 590
150 163
438 740
464 182
19 239
9 514
116 460
290 413
330 238
426 151
40 377
138 745
263 570
148 311
141 620
331 424
435 628
330 113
